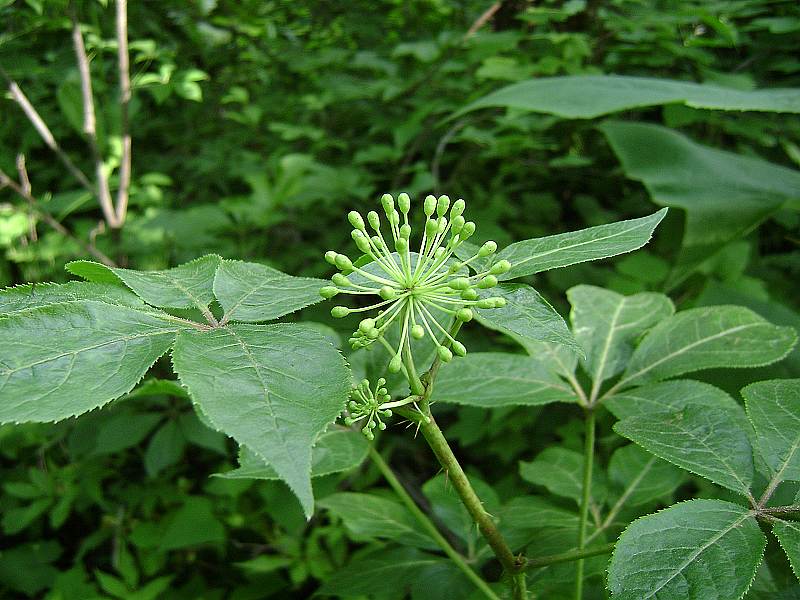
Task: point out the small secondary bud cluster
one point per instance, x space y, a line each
365 403
410 282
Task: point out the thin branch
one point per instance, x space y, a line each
25 184
124 101
482 20
6 181
90 124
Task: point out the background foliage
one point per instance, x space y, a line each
257 125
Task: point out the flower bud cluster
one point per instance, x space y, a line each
365 403
409 282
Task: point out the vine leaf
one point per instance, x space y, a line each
491 379
707 549
606 324
774 410
705 441
250 292
187 286
273 388
705 338
788 534
62 360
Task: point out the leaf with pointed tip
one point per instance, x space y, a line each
788 534
705 441
188 286
641 476
774 410
606 325
699 550
24 297
526 315
273 388
561 471
250 292
491 379
66 359
336 450
706 338
552 252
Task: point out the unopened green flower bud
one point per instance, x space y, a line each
387 293
394 218
441 224
343 263
457 224
487 249
464 315
467 231
340 280
429 205
431 227
405 230
330 256
404 202
366 325
362 242
499 302
417 331
459 283
374 333
355 219
381 382
458 209
442 205
395 364
444 354
401 245
469 294
328 292
339 312
487 282
374 220
459 349
500 267
388 204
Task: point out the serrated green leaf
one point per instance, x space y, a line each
552 252
187 286
696 550
369 517
774 410
491 379
589 96
251 292
446 505
606 325
526 315
192 524
561 472
705 338
724 194
788 534
705 441
335 451
165 448
641 476
24 297
63 360
273 388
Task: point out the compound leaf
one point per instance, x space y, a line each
695 550
250 292
273 388
66 359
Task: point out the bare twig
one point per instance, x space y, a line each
482 20
6 181
124 101
25 184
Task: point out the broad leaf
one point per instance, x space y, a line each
23 297
774 409
250 292
607 324
641 476
542 254
724 194
273 388
788 534
589 96
526 315
446 505
369 517
63 360
335 451
705 441
491 379
698 550
183 530
561 472
705 338
532 518
558 357
186 286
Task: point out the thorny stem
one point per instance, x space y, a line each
588 459
428 525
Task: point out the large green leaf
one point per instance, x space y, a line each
705 338
641 476
542 254
63 360
606 324
774 409
589 96
491 379
696 550
705 441
526 315
250 292
24 297
561 472
273 388
788 534
188 286
725 194
336 450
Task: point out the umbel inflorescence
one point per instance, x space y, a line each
412 283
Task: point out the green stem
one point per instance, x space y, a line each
569 556
428 525
519 585
588 460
